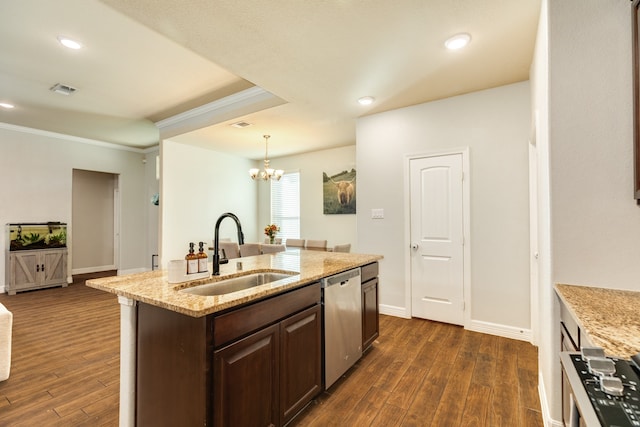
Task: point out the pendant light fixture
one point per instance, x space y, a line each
268 172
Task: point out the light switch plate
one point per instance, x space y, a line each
377 213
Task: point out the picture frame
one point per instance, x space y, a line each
339 191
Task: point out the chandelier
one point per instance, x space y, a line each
268 173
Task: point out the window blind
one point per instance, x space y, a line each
285 205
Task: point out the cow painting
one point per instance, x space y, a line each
340 192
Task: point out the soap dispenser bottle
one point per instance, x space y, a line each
192 260
203 258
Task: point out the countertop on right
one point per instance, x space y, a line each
610 317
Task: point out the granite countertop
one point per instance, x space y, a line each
154 288
610 317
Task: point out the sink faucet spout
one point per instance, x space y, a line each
216 240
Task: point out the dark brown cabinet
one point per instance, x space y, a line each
268 377
246 381
300 361
256 365
370 311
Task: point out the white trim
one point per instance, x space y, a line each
499 330
128 355
544 405
117 220
71 138
241 103
466 224
97 269
534 251
392 310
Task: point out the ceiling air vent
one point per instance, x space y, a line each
241 125
62 89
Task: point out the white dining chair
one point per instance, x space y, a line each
276 241
250 249
346 247
295 243
317 244
270 249
231 250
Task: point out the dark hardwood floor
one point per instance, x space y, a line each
65 371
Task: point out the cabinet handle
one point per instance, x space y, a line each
42 268
37 267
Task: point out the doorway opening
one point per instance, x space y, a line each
94 222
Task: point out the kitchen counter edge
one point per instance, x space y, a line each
608 316
153 287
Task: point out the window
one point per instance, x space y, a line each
285 205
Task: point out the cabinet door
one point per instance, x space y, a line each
54 268
25 269
370 325
245 390
301 365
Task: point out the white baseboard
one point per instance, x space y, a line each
544 405
475 325
97 269
500 330
393 310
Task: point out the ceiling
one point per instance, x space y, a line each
145 61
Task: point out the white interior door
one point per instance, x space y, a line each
437 264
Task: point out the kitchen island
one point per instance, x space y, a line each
185 357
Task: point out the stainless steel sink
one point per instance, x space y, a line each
227 286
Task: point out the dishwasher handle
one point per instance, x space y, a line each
340 277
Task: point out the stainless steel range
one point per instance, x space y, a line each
605 391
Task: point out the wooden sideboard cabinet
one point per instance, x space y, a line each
35 269
370 312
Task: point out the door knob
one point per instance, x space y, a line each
414 246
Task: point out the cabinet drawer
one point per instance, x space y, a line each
239 322
368 272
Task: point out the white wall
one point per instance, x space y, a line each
153 211
583 91
596 222
314 224
197 186
494 124
36 186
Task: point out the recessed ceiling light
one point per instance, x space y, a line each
67 42
458 41
6 105
366 100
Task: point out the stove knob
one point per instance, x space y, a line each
612 386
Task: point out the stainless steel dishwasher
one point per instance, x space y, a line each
342 307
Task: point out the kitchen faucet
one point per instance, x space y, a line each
216 240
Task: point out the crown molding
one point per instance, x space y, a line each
227 108
88 141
